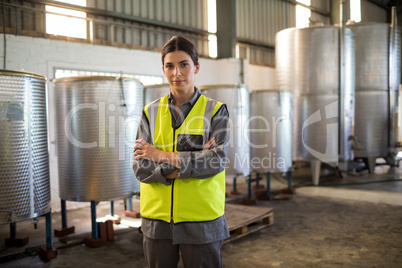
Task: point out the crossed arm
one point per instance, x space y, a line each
151 164
144 150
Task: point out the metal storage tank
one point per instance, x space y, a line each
310 69
271 130
237 100
97 120
153 92
377 53
24 162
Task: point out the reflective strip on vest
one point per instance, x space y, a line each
191 199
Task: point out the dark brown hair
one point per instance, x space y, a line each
179 43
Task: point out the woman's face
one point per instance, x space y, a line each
180 71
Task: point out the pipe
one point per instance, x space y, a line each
392 77
343 151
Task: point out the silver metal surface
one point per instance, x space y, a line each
285 49
377 52
372 56
153 92
271 131
97 120
237 100
371 124
316 60
346 91
308 65
24 162
315 133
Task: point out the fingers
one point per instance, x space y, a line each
209 144
140 143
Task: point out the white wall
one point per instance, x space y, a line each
41 56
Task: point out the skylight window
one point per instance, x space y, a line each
64 25
303 14
212 40
355 11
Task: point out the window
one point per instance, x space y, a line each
355 11
303 14
145 79
212 40
65 25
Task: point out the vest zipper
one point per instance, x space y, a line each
171 208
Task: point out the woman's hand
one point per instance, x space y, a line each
144 150
172 175
209 144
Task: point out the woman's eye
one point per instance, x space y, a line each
169 67
184 64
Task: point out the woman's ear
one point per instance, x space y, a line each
197 68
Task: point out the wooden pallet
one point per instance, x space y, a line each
244 220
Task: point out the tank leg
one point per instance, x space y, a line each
289 179
130 204
112 207
64 230
93 221
13 230
130 212
249 200
48 252
289 190
262 193
371 164
15 241
315 170
234 190
125 204
93 241
268 184
258 186
112 217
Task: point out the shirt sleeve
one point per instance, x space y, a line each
207 163
145 170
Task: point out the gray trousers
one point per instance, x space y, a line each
160 253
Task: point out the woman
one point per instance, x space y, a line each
179 158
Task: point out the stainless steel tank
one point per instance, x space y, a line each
309 67
97 120
371 123
271 130
373 81
153 92
237 100
24 162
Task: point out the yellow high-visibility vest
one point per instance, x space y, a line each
190 199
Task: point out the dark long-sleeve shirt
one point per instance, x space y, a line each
193 164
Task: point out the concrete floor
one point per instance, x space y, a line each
354 221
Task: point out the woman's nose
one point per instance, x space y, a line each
177 71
